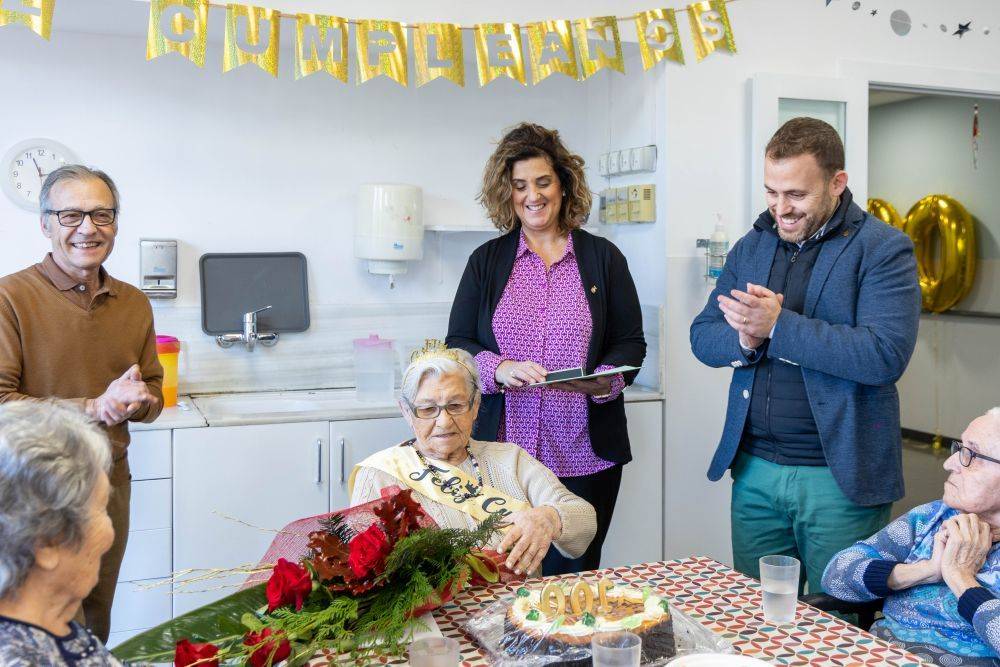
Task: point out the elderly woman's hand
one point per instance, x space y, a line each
969 541
529 536
519 373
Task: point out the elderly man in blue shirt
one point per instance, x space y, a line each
938 566
816 312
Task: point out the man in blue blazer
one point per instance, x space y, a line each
816 312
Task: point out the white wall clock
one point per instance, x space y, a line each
25 166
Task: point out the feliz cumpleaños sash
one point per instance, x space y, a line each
450 488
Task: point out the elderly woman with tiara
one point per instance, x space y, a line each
459 481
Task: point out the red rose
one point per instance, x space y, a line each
289 584
188 653
368 551
266 654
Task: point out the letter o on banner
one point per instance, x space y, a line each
944 239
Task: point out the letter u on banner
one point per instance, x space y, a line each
595 57
710 28
180 26
550 44
498 52
252 44
437 52
36 15
320 45
658 37
383 42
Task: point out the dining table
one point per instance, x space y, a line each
721 599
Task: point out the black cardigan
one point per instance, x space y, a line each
616 338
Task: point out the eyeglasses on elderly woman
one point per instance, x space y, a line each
432 411
965 455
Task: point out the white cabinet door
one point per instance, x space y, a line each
351 442
842 102
636 533
266 475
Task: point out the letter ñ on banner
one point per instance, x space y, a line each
320 45
658 37
180 26
498 52
438 52
550 44
383 42
710 28
605 51
36 15
252 36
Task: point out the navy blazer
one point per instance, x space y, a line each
853 341
616 338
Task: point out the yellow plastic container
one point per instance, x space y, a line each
167 349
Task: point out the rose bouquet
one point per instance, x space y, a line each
356 592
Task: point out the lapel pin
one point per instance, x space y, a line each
847 232
593 289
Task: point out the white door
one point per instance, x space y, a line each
636 533
843 103
266 476
351 442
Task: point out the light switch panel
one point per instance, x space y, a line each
613 163
602 164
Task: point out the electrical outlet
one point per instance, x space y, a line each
634 159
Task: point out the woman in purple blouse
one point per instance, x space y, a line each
544 296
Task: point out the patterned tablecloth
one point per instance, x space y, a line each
723 600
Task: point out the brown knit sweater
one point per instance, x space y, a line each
58 341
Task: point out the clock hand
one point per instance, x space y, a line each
37 168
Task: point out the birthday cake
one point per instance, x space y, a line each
560 620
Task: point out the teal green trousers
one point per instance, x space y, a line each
794 511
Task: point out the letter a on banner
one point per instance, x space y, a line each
381 50
658 37
320 45
605 51
36 15
550 44
710 28
252 36
498 52
437 52
180 26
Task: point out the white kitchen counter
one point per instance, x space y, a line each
239 409
183 415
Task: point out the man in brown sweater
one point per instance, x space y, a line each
71 332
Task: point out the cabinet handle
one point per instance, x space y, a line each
319 460
343 456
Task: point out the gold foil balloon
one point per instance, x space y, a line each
885 212
944 239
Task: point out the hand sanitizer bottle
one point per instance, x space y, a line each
718 246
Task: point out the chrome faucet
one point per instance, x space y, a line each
250 336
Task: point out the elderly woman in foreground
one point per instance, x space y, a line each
460 481
938 566
54 528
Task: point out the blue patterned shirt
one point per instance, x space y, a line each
929 613
26 645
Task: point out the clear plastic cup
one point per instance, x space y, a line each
779 583
434 652
616 649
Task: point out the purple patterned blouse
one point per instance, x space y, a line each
543 317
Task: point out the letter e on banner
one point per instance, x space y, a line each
498 52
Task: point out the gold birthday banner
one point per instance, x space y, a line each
577 48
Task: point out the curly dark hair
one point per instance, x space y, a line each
523 142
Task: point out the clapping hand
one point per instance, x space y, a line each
752 313
968 543
121 399
528 538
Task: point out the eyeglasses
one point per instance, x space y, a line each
965 455
432 411
102 217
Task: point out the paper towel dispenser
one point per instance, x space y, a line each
158 268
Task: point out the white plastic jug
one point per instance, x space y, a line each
374 369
